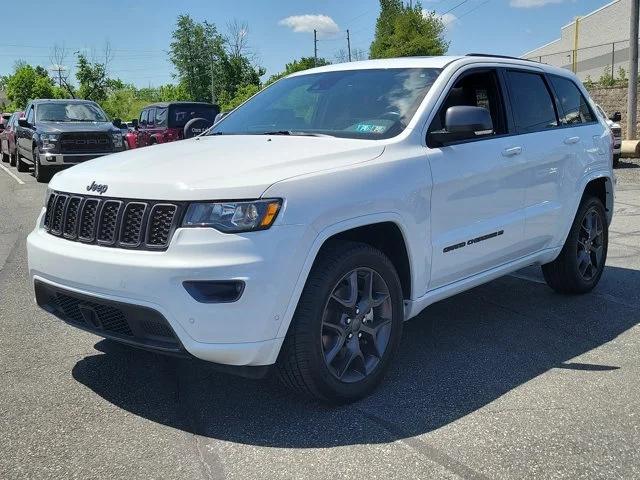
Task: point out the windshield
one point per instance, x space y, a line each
181 114
70 112
370 104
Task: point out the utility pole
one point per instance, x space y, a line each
213 95
349 44
632 106
315 47
574 65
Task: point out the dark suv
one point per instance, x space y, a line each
168 122
60 133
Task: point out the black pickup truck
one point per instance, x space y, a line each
55 134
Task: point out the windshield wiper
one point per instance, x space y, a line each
294 133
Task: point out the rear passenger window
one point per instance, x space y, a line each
143 118
161 117
531 102
575 109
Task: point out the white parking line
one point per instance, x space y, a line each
11 174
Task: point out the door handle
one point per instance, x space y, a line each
510 152
571 140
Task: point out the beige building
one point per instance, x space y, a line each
602 41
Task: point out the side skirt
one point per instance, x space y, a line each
414 307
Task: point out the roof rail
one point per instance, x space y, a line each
498 56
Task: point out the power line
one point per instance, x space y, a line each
473 9
453 8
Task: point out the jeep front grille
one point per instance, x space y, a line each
146 225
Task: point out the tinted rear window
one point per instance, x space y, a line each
179 115
575 109
531 102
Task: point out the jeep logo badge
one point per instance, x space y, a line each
96 187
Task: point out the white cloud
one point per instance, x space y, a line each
447 18
532 3
324 24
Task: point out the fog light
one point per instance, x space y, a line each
214 291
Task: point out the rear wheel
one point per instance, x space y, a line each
616 160
12 159
581 262
347 326
5 157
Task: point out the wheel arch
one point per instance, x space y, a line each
386 237
602 188
355 230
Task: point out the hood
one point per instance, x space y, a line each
214 167
70 127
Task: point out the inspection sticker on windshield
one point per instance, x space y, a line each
369 128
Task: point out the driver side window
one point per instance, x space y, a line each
31 115
475 89
143 118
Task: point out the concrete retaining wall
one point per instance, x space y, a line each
613 99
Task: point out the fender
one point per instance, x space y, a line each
586 179
319 241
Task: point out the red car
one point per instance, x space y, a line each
168 122
8 137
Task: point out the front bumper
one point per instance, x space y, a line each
53 159
242 333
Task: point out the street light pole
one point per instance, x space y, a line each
632 105
348 44
315 47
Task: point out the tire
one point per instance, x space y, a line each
564 274
20 165
41 173
12 159
616 160
5 157
314 359
196 126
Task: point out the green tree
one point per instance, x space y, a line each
127 101
195 52
405 31
242 94
303 63
28 83
92 79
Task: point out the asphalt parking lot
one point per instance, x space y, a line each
509 380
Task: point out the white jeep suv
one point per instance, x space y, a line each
313 220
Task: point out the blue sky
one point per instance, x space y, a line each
140 31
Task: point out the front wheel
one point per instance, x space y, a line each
43 174
347 326
580 264
20 165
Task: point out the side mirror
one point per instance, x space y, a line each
134 123
616 117
220 116
117 123
462 122
23 123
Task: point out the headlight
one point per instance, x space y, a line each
233 217
49 140
117 140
